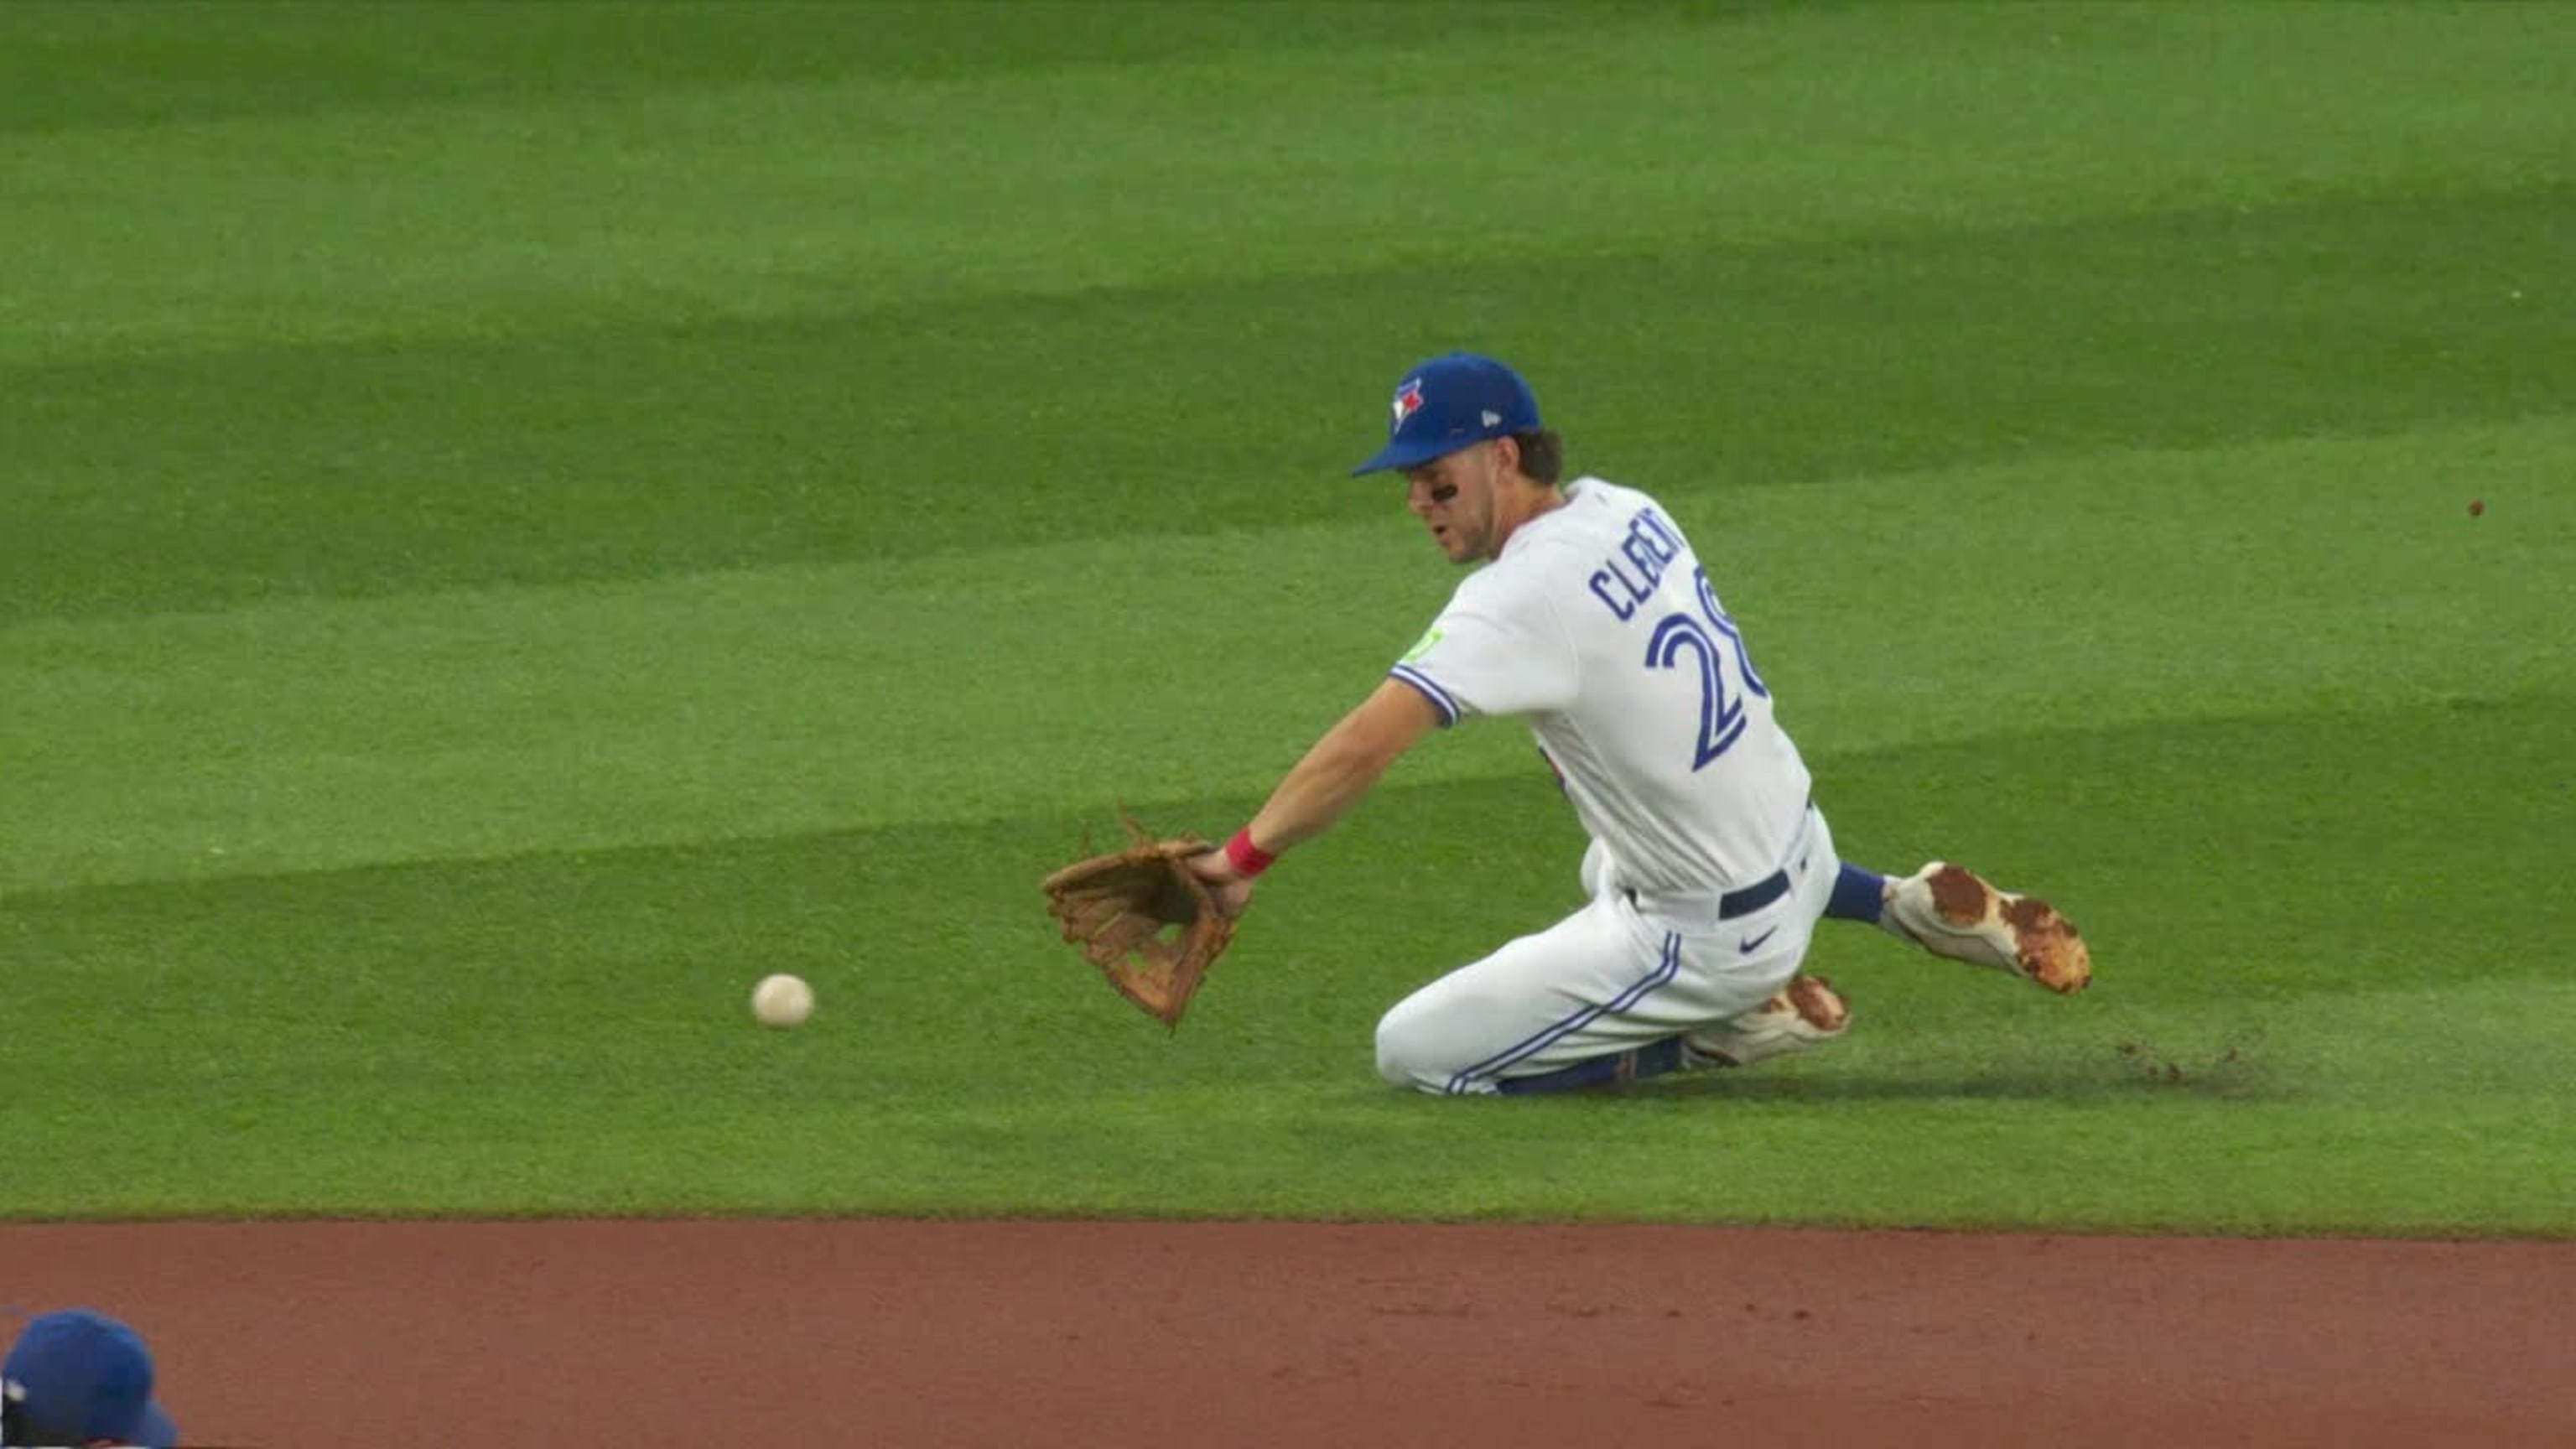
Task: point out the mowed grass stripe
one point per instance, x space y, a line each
769 199
886 434
1885 612
556 1033
69 65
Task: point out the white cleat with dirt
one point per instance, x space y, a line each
1805 1014
1949 910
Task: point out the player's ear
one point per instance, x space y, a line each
1508 450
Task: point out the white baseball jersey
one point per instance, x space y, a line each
1599 626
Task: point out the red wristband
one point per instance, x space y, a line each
1247 858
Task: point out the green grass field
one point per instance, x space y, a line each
517 520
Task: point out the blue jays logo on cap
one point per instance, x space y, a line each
78 1376
1451 402
1408 401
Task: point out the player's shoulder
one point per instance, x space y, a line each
1607 499
1595 510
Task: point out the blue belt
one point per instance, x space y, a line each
1763 892
1753 897
1746 901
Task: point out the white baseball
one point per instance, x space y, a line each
782 1001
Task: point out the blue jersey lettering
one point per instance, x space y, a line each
1627 579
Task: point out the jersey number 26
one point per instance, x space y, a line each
1721 714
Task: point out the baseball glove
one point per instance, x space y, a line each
1144 918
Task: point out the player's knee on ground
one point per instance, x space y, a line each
1410 1052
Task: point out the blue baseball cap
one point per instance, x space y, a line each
1451 402
80 1375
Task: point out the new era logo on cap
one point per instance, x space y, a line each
1451 402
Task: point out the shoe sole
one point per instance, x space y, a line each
1818 1005
2042 946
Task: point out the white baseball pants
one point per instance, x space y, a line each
1624 971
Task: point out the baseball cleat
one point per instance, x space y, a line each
1949 910
1805 1014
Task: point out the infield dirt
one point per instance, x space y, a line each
297 1335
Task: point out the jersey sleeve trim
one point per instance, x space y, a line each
1441 699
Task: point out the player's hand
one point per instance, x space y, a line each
1232 892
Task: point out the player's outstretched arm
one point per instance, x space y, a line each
1344 766
1336 773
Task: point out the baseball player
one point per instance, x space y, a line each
1710 864
80 1378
